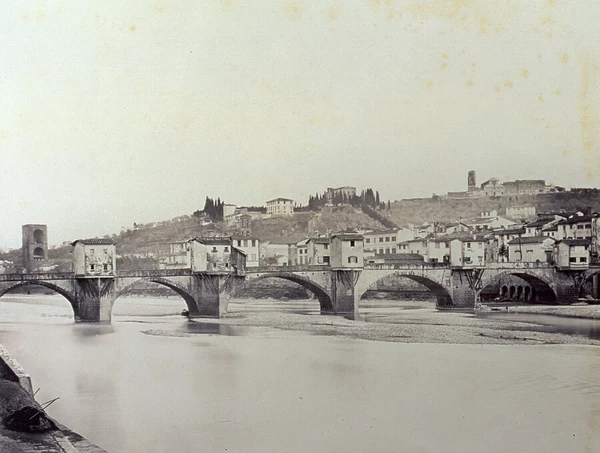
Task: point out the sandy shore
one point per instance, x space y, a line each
419 322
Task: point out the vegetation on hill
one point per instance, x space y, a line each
367 197
440 209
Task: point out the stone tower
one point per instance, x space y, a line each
35 245
471 181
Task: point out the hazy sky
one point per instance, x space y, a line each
117 112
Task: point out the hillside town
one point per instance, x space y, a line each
565 239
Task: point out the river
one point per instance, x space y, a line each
154 382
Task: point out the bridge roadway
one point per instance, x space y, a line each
338 290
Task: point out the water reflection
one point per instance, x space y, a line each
264 390
549 323
207 328
86 330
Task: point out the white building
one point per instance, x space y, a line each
94 257
280 206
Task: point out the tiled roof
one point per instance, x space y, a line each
216 240
348 236
539 223
575 241
320 240
519 230
280 199
95 241
575 219
530 240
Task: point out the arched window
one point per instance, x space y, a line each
38 253
38 236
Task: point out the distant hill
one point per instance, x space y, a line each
441 209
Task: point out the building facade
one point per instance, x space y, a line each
280 206
94 258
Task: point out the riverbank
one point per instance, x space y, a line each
415 322
16 398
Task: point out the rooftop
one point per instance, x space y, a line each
280 199
95 241
575 242
530 240
575 219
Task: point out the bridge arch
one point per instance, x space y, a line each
315 288
56 288
541 288
180 290
444 299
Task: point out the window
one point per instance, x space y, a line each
239 242
226 249
387 239
253 242
106 267
368 240
214 250
92 267
572 259
381 239
326 260
387 250
583 259
393 238
352 243
580 227
326 246
352 260
393 249
468 245
91 251
380 250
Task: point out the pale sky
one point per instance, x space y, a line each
117 112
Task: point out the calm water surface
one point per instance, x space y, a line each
158 383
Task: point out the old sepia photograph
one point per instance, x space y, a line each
290 226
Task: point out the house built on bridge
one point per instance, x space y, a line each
214 269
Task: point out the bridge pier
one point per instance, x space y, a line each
210 295
567 286
344 298
94 298
463 295
596 286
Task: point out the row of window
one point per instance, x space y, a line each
582 259
246 242
381 239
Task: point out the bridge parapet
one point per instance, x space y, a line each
394 266
276 269
518 265
149 273
32 277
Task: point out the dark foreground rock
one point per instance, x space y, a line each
20 412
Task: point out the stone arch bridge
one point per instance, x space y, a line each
92 299
338 290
